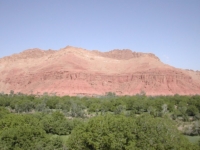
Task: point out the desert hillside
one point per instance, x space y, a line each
76 71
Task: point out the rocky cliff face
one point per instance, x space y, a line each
75 71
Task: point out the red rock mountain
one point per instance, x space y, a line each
76 71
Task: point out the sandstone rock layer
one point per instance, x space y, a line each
76 71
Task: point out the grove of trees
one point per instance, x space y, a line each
105 123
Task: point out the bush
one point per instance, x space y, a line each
117 132
104 133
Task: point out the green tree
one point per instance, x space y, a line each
104 133
21 137
117 132
192 110
158 133
3 112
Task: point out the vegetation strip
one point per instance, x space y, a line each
103 123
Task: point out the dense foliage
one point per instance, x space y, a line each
107 122
104 133
126 133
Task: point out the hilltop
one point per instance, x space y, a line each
76 71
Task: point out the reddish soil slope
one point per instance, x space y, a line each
76 71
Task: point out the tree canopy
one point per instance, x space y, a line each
117 132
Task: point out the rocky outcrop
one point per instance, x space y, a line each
27 54
74 71
125 54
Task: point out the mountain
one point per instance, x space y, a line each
76 71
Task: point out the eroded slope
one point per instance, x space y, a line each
75 71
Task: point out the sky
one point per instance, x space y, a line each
168 28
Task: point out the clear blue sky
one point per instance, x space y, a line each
168 28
